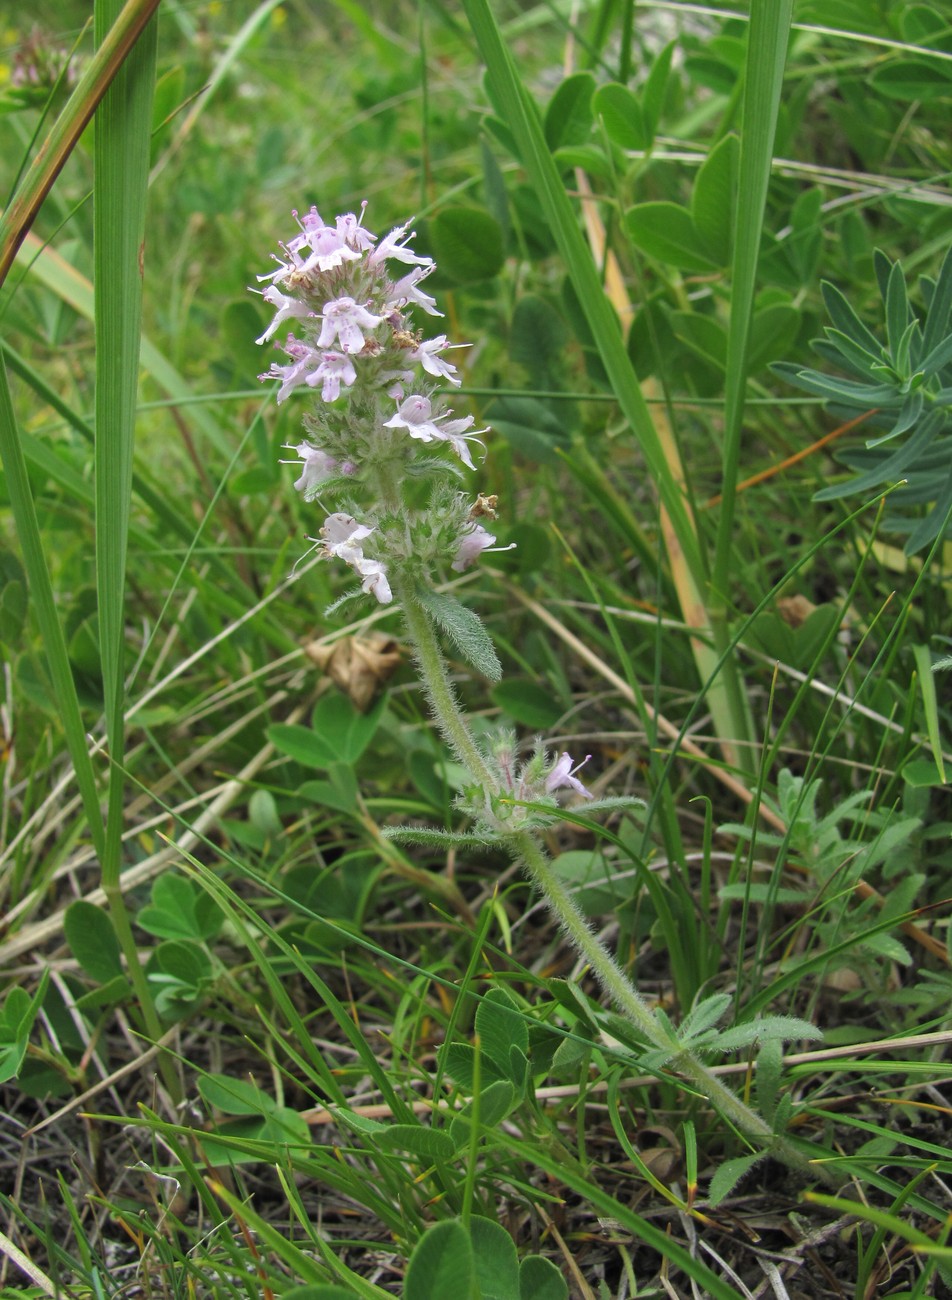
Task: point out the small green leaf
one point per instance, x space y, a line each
729 1175
704 1015
92 941
442 1264
16 1022
568 117
666 232
540 1279
429 1143
922 773
500 1026
301 744
343 728
459 1062
467 244
714 199
497 1264
913 79
495 1102
180 910
234 1096
179 971
621 115
324 794
769 1029
528 703
464 629
655 90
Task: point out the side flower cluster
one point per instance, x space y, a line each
378 413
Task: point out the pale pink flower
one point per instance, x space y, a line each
470 546
288 308
303 360
336 368
341 532
415 414
562 776
317 466
394 246
454 432
345 319
427 355
406 290
342 536
350 229
328 244
375 580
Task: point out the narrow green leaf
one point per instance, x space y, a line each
655 90
47 616
897 311
728 1175
765 56
845 318
464 629
705 1015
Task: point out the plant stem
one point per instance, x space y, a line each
633 1007
440 693
526 849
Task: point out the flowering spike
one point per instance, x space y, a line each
358 352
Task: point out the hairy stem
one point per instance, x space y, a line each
633 1007
525 848
440 693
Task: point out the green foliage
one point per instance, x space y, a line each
480 1263
260 1119
904 386
464 630
16 1022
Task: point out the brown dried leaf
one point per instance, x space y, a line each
360 666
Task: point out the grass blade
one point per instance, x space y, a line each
44 602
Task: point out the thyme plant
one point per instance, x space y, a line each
381 445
